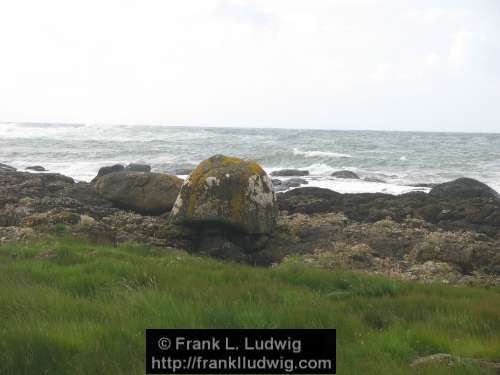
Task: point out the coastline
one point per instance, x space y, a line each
413 236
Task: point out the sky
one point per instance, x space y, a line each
333 64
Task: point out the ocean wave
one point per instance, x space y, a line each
320 154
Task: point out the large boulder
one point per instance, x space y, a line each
146 193
228 192
463 188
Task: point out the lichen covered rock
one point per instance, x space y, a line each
230 192
146 193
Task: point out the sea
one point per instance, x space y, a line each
386 161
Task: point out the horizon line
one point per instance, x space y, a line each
242 127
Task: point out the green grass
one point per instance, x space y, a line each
68 307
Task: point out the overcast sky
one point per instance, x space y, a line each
339 64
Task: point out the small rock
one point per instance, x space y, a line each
36 168
146 193
296 182
6 168
345 174
107 170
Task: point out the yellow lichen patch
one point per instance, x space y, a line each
236 205
222 168
254 167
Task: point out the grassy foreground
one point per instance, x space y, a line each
68 307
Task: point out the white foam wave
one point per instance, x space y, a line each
320 154
320 169
361 186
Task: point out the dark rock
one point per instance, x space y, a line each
290 172
146 193
280 185
229 192
345 174
309 200
6 168
133 167
36 168
276 182
463 188
295 182
107 170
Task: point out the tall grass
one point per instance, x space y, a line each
68 307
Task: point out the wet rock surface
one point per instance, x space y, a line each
6 168
463 188
107 170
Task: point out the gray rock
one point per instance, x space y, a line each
146 193
229 192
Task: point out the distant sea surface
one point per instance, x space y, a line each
400 159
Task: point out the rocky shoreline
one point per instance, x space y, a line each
451 234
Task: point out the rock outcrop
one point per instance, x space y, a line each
463 188
480 214
36 168
146 193
283 185
227 191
